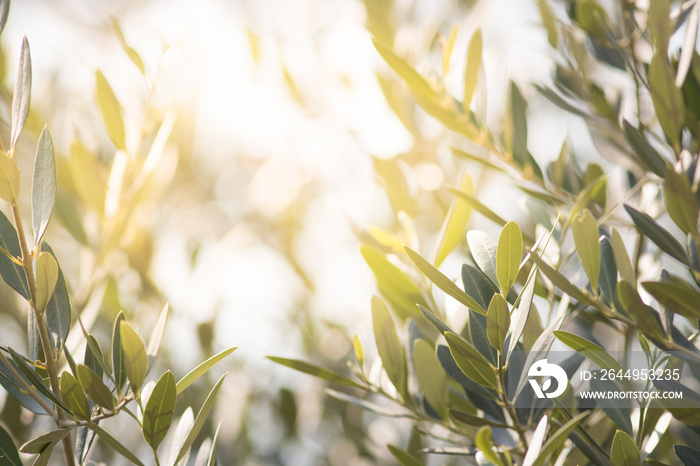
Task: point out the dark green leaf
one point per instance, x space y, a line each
678 297
608 270
316 371
43 185
662 238
471 362
649 157
118 353
95 389
58 310
93 356
616 410
646 318
4 11
12 273
22 93
560 281
497 321
403 457
624 451
479 338
435 320
204 367
40 443
159 411
477 285
115 444
688 456
8 452
474 420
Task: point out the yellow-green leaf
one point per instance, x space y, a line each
46 277
359 351
471 362
73 396
135 358
447 47
667 98
10 178
388 345
585 230
417 83
111 111
94 388
681 203
497 321
42 442
432 378
159 411
622 259
510 253
588 349
456 223
485 445
471 72
624 451
202 369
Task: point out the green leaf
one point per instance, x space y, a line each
474 420
130 52
93 356
159 411
21 96
688 456
479 207
585 230
43 441
58 310
10 178
46 278
522 310
588 349
660 24
212 453
485 252
73 396
558 438
115 444
681 203
200 419
204 367
45 456
622 259
678 297
417 83
401 293
624 451
471 362
388 345
533 451
4 11
510 253
549 21
655 232
646 153
135 358
667 98
608 270
12 273
369 406
497 321
43 185
118 364
403 457
560 281
8 452
442 282
94 388
471 72
158 332
435 320
646 318
36 380
456 223
432 379
111 111
477 285
15 388
485 445
316 371
447 46
617 411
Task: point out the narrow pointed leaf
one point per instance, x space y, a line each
21 95
58 309
43 185
471 72
479 207
485 251
36 380
667 98
456 223
115 444
677 297
15 389
618 412
94 388
43 441
522 311
403 457
200 419
158 332
4 11
12 273
497 322
316 371
46 278
560 281
10 178
624 451
585 230
202 369
94 358
118 364
649 157
471 362
474 420
533 451
8 451
111 111
688 456
556 440
681 203
388 344
432 379
73 395
159 411
442 282
588 349
622 259
417 83
135 358
510 253
660 236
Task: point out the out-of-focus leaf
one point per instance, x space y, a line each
388 345
435 320
447 46
130 52
471 362
73 396
403 457
481 160
497 321
22 94
667 98
442 282
471 72
417 83
688 456
135 358
118 365
8 451
401 293
456 223
588 349
624 451
10 178
184 426
485 445
432 379
40 443
585 230
556 440
679 298
510 253
58 309
46 278
645 317
660 24
316 371
4 11
474 420
43 185
660 236
622 259
549 22
159 411
369 406
616 410
595 173
204 367
536 442
393 178
608 270
649 157
115 444
485 252
212 454
688 49
200 419
158 332
522 311
681 203
111 111
479 207
94 388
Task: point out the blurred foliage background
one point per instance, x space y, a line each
284 137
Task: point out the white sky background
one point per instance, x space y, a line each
243 109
